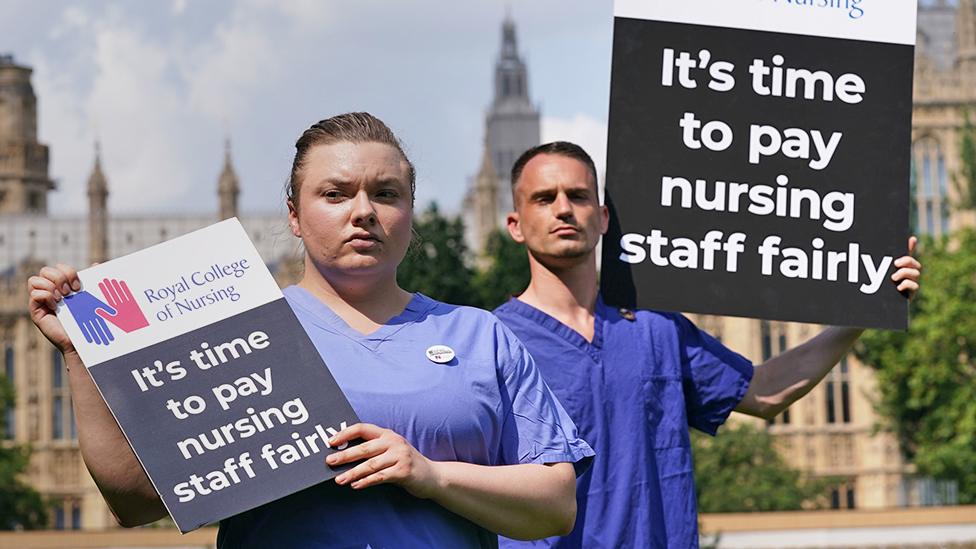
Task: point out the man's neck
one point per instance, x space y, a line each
566 293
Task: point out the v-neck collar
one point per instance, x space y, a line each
571 336
324 317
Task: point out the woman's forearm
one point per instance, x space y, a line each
517 501
107 454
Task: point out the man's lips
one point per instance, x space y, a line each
564 229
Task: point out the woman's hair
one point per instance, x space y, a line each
354 127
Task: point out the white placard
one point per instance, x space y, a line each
887 21
177 286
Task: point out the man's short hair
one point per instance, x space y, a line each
562 148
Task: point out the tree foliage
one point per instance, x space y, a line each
436 262
927 376
506 272
21 507
739 470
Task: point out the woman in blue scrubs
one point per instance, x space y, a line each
461 439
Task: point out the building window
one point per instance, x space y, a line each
8 371
35 202
75 515
767 340
838 393
842 497
766 329
62 420
59 516
930 176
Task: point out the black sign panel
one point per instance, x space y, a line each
759 174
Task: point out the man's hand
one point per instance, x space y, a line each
909 271
390 459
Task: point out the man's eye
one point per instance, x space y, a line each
387 193
333 195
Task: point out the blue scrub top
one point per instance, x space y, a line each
633 391
487 406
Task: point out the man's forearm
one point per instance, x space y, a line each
784 379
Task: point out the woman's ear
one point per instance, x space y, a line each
293 219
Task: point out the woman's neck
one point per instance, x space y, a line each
364 302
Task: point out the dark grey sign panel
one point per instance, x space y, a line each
230 416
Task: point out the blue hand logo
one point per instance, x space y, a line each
83 307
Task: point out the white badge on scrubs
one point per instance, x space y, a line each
441 354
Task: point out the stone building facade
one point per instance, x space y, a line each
833 430
30 238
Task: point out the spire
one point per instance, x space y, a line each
97 184
227 186
97 211
509 42
511 76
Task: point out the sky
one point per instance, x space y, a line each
161 84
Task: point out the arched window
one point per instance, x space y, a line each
931 186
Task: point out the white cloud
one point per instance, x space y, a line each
585 131
178 7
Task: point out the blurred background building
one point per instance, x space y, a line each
831 432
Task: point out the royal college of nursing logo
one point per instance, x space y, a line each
119 308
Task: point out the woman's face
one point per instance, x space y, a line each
354 209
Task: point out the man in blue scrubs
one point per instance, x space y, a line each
633 381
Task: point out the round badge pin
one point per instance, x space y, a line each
441 354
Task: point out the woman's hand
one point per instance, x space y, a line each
390 459
46 289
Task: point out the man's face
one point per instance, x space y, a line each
557 215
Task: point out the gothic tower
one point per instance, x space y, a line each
24 181
97 212
512 122
511 127
227 187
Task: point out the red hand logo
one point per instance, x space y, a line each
128 316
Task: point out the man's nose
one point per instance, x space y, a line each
561 206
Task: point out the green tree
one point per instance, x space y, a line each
21 507
927 376
739 470
965 180
435 264
506 272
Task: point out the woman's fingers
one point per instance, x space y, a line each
59 279
363 431
71 275
359 452
377 465
45 298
